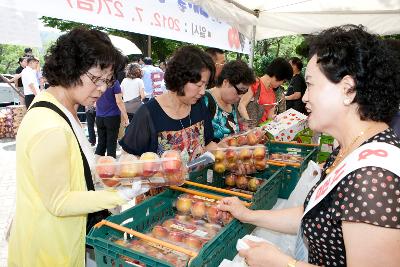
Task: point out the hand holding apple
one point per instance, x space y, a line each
236 207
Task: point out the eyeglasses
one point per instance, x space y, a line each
219 64
240 91
98 81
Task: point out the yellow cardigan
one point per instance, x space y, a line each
52 203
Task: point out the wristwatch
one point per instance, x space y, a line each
292 263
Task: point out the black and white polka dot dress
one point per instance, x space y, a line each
368 195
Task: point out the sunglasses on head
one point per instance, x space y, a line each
240 91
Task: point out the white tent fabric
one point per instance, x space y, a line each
126 46
287 17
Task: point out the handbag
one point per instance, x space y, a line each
133 105
254 109
94 217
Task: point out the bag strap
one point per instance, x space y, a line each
86 167
210 103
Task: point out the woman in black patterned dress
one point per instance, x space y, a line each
352 94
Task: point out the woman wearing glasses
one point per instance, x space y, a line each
55 191
262 91
233 82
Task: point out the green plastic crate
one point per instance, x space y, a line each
142 218
293 174
264 198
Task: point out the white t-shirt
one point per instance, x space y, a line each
131 88
28 76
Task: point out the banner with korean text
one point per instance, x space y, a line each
172 19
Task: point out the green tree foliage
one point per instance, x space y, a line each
9 55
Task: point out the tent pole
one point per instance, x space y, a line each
253 40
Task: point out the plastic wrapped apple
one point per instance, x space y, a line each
151 163
259 152
184 204
198 209
230 180
241 182
172 162
214 215
253 184
129 166
193 242
105 167
160 232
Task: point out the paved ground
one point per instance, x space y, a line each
7 193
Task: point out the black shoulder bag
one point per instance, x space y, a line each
94 217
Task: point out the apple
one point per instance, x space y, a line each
226 217
252 139
260 164
219 155
167 224
129 166
232 166
259 152
230 180
193 242
242 140
241 182
105 167
176 236
214 215
230 155
172 162
110 182
245 154
175 178
198 209
151 164
182 217
184 204
253 184
159 232
232 141
219 167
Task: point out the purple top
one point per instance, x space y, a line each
106 105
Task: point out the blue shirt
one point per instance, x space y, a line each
106 105
153 79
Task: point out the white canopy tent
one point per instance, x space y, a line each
287 17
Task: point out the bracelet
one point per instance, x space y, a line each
292 263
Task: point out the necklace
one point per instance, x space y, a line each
190 149
341 155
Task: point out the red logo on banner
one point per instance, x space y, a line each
377 152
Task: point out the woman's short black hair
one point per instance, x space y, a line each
297 62
75 52
350 50
280 69
236 72
185 66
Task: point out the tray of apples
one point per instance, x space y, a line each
157 251
247 158
243 183
248 138
148 168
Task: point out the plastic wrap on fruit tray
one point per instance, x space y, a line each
149 168
247 158
291 158
154 250
242 183
198 209
249 138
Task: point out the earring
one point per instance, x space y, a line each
346 102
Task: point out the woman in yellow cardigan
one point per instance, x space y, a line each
53 197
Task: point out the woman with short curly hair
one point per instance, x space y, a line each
55 191
177 119
351 216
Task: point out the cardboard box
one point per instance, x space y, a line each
286 125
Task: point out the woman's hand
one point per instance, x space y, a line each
262 254
236 207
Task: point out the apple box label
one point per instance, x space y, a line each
200 233
210 176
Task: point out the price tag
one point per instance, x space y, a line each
210 176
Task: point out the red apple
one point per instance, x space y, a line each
230 180
151 163
241 182
214 215
177 178
172 162
198 209
245 154
193 242
105 167
230 155
219 155
242 140
226 218
184 204
260 164
252 139
176 236
110 182
253 184
129 166
259 152
219 167
232 166
232 141
159 232
167 224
